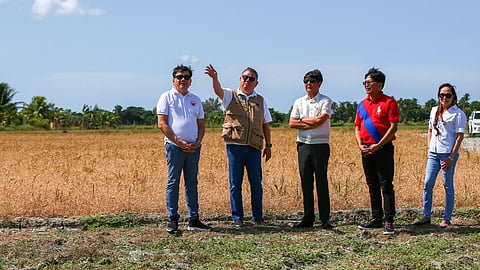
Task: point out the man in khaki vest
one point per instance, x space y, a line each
245 128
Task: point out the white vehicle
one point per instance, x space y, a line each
474 123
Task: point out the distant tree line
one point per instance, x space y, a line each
39 113
44 115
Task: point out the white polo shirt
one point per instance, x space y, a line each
183 112
454 121
305 107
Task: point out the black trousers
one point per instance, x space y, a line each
313 165
379 171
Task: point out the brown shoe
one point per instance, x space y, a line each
423 221
444 224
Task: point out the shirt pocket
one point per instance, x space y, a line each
235 132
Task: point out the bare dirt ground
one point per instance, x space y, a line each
338 218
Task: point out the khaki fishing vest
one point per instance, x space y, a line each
244 121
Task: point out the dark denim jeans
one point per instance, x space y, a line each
179 161
239 158
379 170
313 166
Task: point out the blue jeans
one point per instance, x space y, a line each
239 158
434 165
179 161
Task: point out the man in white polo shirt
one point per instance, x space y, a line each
311 117
181 119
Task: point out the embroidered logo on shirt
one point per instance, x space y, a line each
379 110
193 103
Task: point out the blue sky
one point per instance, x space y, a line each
104 53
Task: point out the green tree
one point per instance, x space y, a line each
410 110
38 113
425 111
474 106
138 116
464 104
214 119
278 117
118 111
64 118
87 117
8 109
211 105
344 112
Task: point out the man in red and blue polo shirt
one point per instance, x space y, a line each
375 126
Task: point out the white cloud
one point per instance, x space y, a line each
44 8
187 59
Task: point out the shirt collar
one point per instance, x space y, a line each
452 108
373 99
315 98
176 92
253 94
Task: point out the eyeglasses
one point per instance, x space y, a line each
306 81
248 78
180 77
442 95
368 82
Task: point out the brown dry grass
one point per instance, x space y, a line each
89 173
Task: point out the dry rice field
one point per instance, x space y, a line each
80 173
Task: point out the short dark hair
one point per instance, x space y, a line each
376 75
251 70
182 68
314 74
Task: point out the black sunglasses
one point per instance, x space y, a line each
447 95
368 82
306 81
180 77
248 78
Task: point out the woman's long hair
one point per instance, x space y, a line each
441 109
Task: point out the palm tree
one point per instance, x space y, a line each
8 109
211 105
38 113
39 108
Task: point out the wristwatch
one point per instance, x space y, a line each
268 145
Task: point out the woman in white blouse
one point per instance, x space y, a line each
445 134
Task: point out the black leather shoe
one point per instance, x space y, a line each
327 225
303 224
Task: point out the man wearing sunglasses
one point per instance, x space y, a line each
181 119
311 117
245 129
375 126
